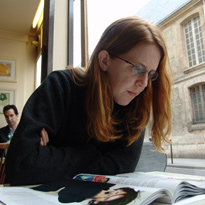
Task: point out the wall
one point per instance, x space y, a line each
18 47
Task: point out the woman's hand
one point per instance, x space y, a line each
44 137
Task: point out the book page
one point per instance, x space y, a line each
167 175
195 200
194 180
198 181
21 196
139 179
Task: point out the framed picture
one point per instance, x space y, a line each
7 70
6 97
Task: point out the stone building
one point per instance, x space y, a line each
183 25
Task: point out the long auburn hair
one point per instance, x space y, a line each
119 38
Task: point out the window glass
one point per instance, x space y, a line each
76 34
194 41
38 71
198 103
102 13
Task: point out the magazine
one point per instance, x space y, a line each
177 187
131 188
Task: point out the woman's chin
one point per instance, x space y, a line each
123 103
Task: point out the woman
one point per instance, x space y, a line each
94 119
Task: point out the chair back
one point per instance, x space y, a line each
151 160
3 148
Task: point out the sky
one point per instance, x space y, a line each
101 13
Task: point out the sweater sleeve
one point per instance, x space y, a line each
28 162
120 160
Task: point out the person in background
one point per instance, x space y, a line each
11 115
92 120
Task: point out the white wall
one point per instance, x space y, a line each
18 47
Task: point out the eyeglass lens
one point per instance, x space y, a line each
140 70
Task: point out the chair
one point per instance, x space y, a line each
3 147
151 160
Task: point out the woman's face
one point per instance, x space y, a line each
109 195
125 84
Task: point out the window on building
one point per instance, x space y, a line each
194 42
198 103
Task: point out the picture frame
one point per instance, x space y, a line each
6 97
7 70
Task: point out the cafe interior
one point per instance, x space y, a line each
36 36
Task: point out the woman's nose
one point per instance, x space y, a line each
142 80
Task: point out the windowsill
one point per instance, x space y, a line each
194 68
196 127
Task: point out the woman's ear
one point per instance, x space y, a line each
103 58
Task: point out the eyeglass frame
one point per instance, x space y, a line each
136 68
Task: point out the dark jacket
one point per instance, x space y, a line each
4 131
58 106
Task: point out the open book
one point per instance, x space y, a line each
165 188
132 188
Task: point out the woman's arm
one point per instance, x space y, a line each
126 159
121 160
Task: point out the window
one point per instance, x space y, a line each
102 13
194 42
76 34
198 103
38 71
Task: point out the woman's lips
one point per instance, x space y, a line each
132 93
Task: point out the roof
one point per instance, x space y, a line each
156 11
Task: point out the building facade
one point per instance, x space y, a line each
183 26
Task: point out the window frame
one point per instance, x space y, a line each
198 49
198 102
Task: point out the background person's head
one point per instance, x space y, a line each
11 115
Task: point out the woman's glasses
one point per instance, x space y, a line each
139 69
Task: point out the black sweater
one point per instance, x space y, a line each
58 106
4 132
